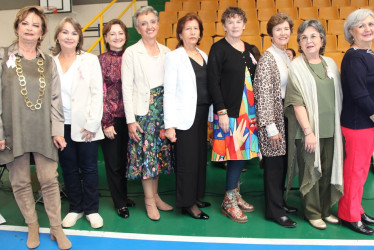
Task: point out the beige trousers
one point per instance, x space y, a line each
20 179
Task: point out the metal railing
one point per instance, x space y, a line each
100 15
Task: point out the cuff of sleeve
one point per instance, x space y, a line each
58 129
271 130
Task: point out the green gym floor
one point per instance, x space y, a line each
174 223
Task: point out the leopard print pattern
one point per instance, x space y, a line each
269 107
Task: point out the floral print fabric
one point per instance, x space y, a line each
113 101
152 154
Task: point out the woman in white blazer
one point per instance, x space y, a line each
142 75
82 99
186 106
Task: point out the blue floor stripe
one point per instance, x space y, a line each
10 240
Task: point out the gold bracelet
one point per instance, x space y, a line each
308 134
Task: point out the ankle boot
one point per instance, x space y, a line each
150 206
163 206
243 205
33 235
230 208
58 234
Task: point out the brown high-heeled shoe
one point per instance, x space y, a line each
62 241
150 206
163 206
33 235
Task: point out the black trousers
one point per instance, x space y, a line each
191 158
275 170
115 157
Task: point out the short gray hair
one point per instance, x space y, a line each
141 11
353 21
318 26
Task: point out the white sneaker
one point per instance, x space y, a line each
331 219
95 220
71 218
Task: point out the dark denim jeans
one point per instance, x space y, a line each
233 172
79 169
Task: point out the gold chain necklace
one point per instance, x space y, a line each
22 83
324 67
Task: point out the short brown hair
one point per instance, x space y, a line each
231 12
278 19
22 14
182 22
77 27
109 25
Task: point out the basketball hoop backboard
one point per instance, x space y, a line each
55 6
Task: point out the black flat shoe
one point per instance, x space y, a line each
285 221
368 220
202 204
130 203
358 227
123 212
289 209
201 216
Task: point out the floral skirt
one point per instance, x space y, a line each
152 154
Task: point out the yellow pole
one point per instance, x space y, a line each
101 34
98 15
127 8
94 44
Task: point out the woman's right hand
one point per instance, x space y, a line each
2 145
223 121
110 132
133 131
170 134
310 143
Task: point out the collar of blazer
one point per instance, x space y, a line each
144 59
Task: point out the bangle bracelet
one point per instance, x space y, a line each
222 113
308 134
307 128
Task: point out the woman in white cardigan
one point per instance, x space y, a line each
186 105
142 72
82 99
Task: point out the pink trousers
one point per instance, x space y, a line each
359 147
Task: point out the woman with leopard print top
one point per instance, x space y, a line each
269 90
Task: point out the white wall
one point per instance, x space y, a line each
83 13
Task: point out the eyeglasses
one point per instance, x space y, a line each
313 38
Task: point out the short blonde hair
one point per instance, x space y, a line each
22 14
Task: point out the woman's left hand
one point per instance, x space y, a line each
87 135
59 142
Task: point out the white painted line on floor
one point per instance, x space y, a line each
201 239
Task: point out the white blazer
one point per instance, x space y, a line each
86 96
180 93
135 82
